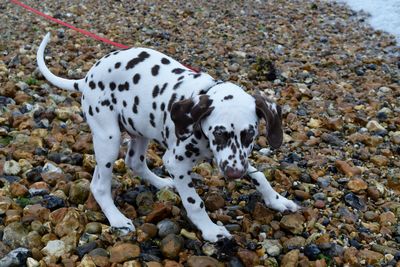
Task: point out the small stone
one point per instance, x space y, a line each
55 248
348 170
87 261
273 247
149 230
323 242
13 234
160 211
312 251
123 252
350 256
189 235
209 249
68 221
31 262
18 190
100 257
357 185
370 215
15 258
387 218
93 228
166 227
79 191
85 248
354 201
380 160
249 258
144 202
171 245
371 257
11 167
35 212
293 223
291 258
314 123
202 261
166 194
374 126
214 201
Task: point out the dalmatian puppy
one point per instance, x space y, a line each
152 96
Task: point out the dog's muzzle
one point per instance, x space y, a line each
234 173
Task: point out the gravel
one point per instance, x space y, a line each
336 79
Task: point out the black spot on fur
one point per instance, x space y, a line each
155 70
90 111
165 61
176 86
191 200
76 86
131 152
228 97
178 71
197 75
136 78
162 107
117 65
97 109
156 90
130 121
163 88
171 101
255 182
123 86
92 85
105 102
152 120
140 58
108 165
201 204
141 158
101 85
154 105
124 103
112 86
97 63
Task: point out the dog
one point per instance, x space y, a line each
195 117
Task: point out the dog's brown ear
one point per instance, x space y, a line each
199 112
272 114
187 115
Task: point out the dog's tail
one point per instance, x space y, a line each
72 85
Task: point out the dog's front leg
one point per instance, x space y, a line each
271 198
180 170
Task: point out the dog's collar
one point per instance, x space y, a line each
205 91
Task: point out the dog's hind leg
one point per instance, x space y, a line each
136 160
106 141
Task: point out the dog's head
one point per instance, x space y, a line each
228 117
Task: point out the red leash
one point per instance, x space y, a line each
84 32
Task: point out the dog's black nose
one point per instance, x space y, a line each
234 173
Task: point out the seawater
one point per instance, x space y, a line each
385 14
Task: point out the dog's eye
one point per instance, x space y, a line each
220 137
246 137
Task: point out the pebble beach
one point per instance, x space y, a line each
336 79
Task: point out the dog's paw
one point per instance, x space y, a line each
281 203
122 226
215 233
